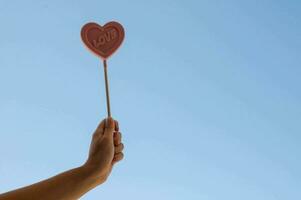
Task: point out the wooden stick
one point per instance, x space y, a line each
107 87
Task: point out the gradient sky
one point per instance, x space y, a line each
207 94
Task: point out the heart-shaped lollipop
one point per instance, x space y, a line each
102 40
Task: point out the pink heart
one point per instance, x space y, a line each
102 40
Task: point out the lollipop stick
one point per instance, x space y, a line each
107 87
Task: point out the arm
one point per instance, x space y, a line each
105 150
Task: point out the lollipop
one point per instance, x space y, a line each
103 41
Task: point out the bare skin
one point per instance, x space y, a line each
105 151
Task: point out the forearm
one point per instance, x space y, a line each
69 185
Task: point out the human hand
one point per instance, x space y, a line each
105 150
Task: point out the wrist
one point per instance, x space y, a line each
90 173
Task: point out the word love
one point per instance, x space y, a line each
107 37
103 41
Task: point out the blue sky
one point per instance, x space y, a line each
207 94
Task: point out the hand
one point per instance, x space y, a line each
105 150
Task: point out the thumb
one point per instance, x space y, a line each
109 127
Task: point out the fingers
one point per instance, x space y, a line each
102 126
116 125
99 130
117 138
109 127
119 148
117 157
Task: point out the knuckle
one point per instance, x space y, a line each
118 148
121 155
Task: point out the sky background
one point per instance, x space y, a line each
207 94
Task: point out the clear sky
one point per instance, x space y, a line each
207 94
